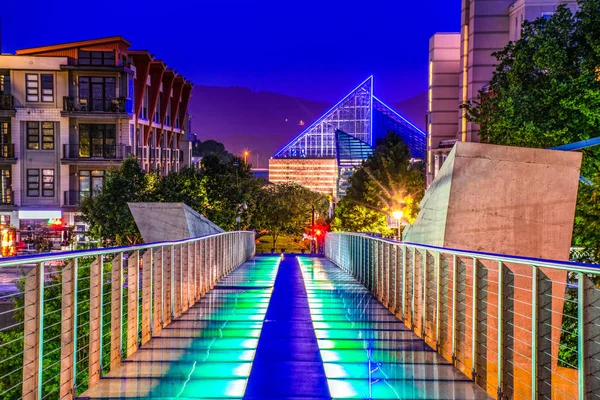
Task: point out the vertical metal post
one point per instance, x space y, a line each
454 281
404 248
534 333
196 297
151 291
414 283
75 317
424 319
181 278
40 359
500 328
121 299
101 322
474 322
438 274
172 282
162 286
581 335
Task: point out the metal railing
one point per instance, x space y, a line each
92 104
77 315
76 151
518 327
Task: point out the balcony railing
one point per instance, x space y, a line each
7 151
73 197
7 102
98 152
95 105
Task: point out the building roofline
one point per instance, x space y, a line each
69 45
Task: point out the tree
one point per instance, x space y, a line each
545 92
288 208
203 149
385 182
107 213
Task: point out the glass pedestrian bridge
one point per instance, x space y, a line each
205 318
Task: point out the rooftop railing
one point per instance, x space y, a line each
75 316
518 327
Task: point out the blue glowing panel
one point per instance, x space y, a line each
351 115
386 120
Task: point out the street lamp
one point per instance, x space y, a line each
246 154
397 214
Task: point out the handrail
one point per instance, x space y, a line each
517 326
78 314
541 262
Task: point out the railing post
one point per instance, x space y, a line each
413 306
474 322
438 298
404 250
500 339
172 282
146 295
196 296
116 311
68 332
454 284
95 345
534 331
158 294
424 264
581 353
132 302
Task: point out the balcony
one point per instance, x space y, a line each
94 154
7 154
7 105
118 107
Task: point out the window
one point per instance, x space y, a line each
48 183
97 140
32 86
90 182
5 186
33 135
33 183
96 58
47 88
47 136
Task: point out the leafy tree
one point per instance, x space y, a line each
288 208
386 181
107 213
545 92
203 149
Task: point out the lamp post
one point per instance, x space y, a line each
246 154
398 217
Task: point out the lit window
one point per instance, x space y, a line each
48 183
32 85
33 183
33 135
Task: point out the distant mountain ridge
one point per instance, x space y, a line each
263 122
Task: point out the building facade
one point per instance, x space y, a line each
313 159
69 112
461 64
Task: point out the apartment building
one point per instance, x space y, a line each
461 64
70 111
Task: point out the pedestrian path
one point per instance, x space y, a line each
291 328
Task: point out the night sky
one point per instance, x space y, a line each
314 49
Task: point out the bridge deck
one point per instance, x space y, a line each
301 328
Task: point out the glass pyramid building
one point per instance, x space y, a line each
324 155
361 115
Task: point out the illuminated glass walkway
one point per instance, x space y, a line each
296 329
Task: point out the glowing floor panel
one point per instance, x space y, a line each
207 353
366 351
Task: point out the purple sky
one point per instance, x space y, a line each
308 48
